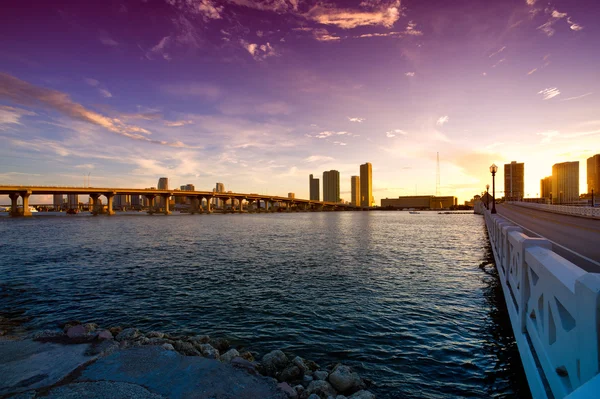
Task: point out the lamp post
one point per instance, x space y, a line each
487 196
592 197
493 169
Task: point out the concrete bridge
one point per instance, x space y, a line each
196 199
553 302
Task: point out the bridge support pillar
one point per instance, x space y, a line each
208 205
94 197
25 196
150 198
240 204
109 203
14 207
166 198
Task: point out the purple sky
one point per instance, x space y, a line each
259 94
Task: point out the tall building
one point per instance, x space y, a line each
57 201
366 185
291 195
331 186
355 190
593 174
163 184
72 201
121 201
188 187
546 187
514 181
313 188
135 201
565 182
219 188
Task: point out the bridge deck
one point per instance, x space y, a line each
569 234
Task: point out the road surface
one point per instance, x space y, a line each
574 238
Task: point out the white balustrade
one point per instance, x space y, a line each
585 211
554 308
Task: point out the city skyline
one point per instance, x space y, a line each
259 95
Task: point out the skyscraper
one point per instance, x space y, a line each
72 201
163 184
355 190
593 174
565 182
219 188
366 185
57 201
514 181
313 185
331 186
546 187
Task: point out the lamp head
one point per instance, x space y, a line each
493 168
487 186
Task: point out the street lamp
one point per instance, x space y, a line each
487 196
592 197
493 170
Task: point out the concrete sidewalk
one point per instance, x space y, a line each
30 369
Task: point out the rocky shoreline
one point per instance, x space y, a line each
296 377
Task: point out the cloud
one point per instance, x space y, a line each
532 71
107 40
389 34
349 18
339 143
178 123
395 132
574 26
409 74
259 52
21 92
549 135
577 97
549 93
193 89
442 120
497 52
358 120
92 82
207 9
279 6
411 29
85 166
554 17
105 93
317 158
12 115
323 35
252 107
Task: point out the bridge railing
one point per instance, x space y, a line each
554 308
585 211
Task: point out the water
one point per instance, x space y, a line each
405 299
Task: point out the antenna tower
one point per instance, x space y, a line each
437 177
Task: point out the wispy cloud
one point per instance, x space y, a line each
549 135
497 52
92 82
279 6
358 120
442 120
107 40
178 123
105 93
193 89
409 74
208 9
385 15
411 29
323 35
395 132
549 93
339 143
12 115
553 17
318 158
532 71
577 97
21 92
259 52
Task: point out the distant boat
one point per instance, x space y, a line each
32 209
414 212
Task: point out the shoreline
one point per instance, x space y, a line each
285 374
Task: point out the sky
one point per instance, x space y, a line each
260 94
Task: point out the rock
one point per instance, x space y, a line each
314 396
185 348
69 324
307 379
273 362
244 364
299 362
48 335
103 348
104 334
90 327
209 352
157 341
343 379
288 390
320 375
321 388
229 355
76 331
299 390
168 347
363 395
341 397
290 373
247 355
115 330
311 365
128 334
200 339
220 344
155 334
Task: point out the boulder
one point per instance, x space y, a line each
90 327
343 379
200 339
115 330
288 390
290 373
48 335
247 355
244 364
299 390
220 344
103 348
299 362
321 388
186 348
229 355
155 334
341 397
307 379
274 362
127 334
69 324
314 396
157 341
363 395
209 352
77 331
104 334
168 347
320 375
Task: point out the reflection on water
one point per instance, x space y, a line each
400 297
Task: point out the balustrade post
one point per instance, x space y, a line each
587 297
